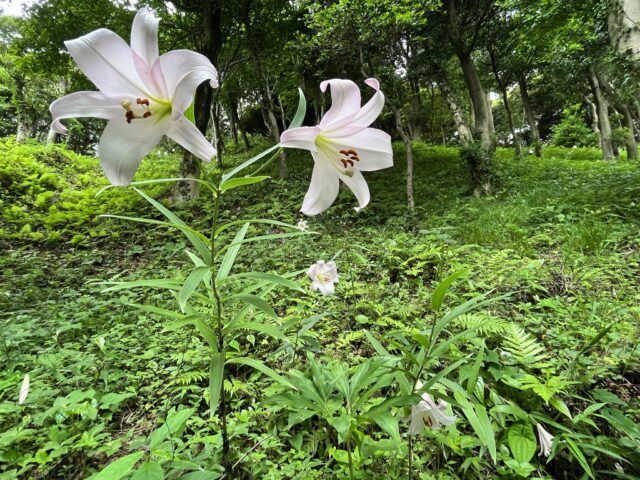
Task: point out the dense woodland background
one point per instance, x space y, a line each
511 73
515 127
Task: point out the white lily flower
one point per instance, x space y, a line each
24 389
428 413
342 146
143 95
545 439
323 276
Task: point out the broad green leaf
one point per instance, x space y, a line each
269 278
119 468
301 112
377 346
154 283
175 422
248 163
239 182
262 238
232 252
479 420
261 328
197 242
149 471
437 297
475 370
342 425
579 456
216 377
389 424
256 301
522 442
196 276
560 406
261 367
263 221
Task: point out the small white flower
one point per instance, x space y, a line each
545 439
618 467
303 225
428 413
24 389
323 276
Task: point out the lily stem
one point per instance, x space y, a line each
349 457
222 406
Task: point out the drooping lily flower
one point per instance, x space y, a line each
545 439
342 146
323 276
143 95
428 413
24 389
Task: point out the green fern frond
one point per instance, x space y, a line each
483 323
524 348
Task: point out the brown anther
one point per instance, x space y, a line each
344 152
129 116
346 162
350 152
146 114
142 101
355 157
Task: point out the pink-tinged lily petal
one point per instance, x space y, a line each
83 104
370 111
345 104
123 145
358 185
107 61
183 72
144 35
301 137
185 133
323 189
373 147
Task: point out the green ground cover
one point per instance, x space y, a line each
560 239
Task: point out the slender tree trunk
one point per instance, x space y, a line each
531 118
464 132
482 113
512 128
233 122
631 144
594 120
267 101
603 115
406 140
211 43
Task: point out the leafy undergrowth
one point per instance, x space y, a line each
557 248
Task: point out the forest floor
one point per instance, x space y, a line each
561 238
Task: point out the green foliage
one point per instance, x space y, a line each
110 381
572 130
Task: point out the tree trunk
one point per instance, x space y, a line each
275 133
406 140
482 113
268 106
505 100
603 115
512 128
631 144
211 43
531 118
464 132
595 122
233 122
